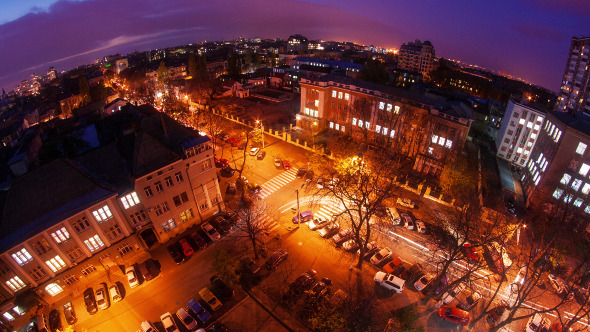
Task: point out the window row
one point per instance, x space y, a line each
340 95
442 141
336 126
311 112
388 107
169 183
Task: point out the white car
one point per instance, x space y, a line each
186 319
423 281
381 256
254 151
537 323
210 231
317 223
521 276
168 322
102 299
408 222
450 295
114 293
405 202
389 281
132 277
421 226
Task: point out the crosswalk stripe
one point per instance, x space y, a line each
278 182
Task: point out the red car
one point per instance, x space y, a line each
221 162
470 253
453 314
286 165
187 250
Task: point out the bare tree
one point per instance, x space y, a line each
252 224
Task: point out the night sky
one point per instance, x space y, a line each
526 38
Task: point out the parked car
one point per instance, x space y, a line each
254 151
221 225
413 272
131 276
389 281
231 187
497 314
423 281
148 269
317 223
408 222
453 314
186 319
537 323
381 256
305 216
114 293
301 172
372 248
318 291
242 146
186 248
221 288
176 255
197 241
344 235
168 322
338 298
421 227
278 162
54 320
261 155
391 266
437 285
211 299
470 254
467 300
350 245
405 202
320 183
70 313
220 163
90 301
248 265
560 287
329 230
198 311
301 284
147 326
102 297
210 231
276 258
452 294
286 165
227 171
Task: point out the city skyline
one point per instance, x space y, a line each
526 39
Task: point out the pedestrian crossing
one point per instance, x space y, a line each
266 223
277 182
330 209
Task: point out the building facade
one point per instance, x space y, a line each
417 56
424 128
558 170
519 132
574 94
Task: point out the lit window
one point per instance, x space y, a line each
568 198
168 225
521 121
381 105
537 127
533 136
361 123
581 148
434 139
94 243
441 141
584 169
15 284
367 125
332 125
449 144
519 150
333 93
529 125
102 214
586 189
53 289
317 114
316 103
565 179
130 200
342 128
8 316
557 193
536 181
540 119
337 127
61 235
346 96
378 129
389 107
385 131
354 121
576 184
578 202
340 95
430 150
22 257
396 110
392 133
55 264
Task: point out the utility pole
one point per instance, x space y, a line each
298 216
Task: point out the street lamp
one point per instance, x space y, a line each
315 123
518 233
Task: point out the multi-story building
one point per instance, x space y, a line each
558 169
429 129
574 94
417 56
74 219
519 131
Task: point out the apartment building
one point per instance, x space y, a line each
574 94
417 56
519 132
426 127
74 219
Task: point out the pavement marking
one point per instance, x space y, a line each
277 182
330 209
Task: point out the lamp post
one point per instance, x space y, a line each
315 123
518 233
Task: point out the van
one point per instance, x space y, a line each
42 325
394 216
305 217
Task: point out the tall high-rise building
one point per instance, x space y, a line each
574 94
417 56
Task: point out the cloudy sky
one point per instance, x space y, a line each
526 38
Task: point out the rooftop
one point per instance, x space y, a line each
578 121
